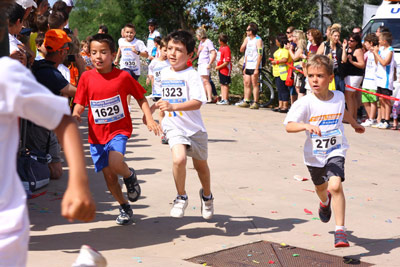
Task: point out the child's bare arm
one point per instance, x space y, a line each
149 121
186 106
117 56
383 62
295 127
77 202
78 110
357 127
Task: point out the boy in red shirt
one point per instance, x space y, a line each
105 90
224 67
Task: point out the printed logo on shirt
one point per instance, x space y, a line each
329 119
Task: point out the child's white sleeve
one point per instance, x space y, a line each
26 98
151 67
142 47
298 112
196 88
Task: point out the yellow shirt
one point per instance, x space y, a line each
280 70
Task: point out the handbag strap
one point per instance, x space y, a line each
23 128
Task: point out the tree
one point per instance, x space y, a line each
272 17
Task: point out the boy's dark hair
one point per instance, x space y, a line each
39 39
103 38
387 36
15 12
56 20
356 37
383 29
372 38
42 23
61 7
184 37
103 28
157 40
130 25
163 42
253 28
321 61
282 39
223 38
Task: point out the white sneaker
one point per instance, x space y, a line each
207 206
367 123
178 209
384 125
89 257
376 125
240 102
223 102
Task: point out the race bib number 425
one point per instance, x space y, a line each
327 142
107 110
174 91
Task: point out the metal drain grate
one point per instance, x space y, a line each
270 254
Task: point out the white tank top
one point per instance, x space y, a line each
251 53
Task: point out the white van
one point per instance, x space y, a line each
388 15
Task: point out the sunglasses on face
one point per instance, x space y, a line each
351 41
288 32
248 30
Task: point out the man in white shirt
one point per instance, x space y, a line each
153 33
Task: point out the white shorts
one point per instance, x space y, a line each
197 144
202 70
354 81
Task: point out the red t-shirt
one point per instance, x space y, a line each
224 55
106 96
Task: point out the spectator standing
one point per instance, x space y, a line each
103 29
153 33
224 67
280 72
297 56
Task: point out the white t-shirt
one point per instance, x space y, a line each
370 72
65 72
150 41
14 42
155 68
385 74
205 49
130 60
328 115
179 87
251 53
20 96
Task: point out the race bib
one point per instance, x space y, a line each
327 142
107 110
174 91
218 56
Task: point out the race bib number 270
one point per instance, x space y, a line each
107 110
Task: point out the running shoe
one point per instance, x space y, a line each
125 216
384 125
325 212
207 206
89 257
223 102
132 186
377 125
255 105
239 103
244 104
367 123
179 206
164 139
341 239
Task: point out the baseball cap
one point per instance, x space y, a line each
55 40
69 2
26 3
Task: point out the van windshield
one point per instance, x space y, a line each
392 24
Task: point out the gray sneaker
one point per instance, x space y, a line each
132 186
223 102
125 216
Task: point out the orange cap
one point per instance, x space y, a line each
55 39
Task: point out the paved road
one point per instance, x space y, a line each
253 161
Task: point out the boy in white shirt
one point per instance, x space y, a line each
320 115
384 59
130 49
182 96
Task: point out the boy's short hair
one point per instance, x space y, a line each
223 38
372 38
253 28
163 42
282 39
103 38
56 20
39 39
130 25
387 36
14 13
42 23
103 28
319 61
157 40
184 37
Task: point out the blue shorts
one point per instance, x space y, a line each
100 152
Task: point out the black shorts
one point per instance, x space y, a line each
384 91
155 99
249 71
223 79
132 73
333 167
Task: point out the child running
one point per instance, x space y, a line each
104 89
320 114
182 96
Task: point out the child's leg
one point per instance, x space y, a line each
113 185
321 191
382 108
203 171
179 167
372 111
338 199
387 109
117 164
225 91
367 106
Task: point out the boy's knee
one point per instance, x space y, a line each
335 185
179 161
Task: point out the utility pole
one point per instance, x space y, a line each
322 17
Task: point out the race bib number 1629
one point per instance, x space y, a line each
107 110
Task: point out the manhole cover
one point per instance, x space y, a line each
270 254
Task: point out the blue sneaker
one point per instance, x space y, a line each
341 239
